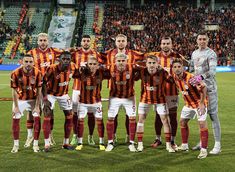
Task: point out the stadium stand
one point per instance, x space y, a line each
180 21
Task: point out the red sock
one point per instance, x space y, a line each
127 125
132 129
168 137
68 125
37 127
80 127
16 128
173 122
158 124
52 122
204 137
115 124
184 133
46 126
91 123
100 127
110 129
29 124
75 123
140 136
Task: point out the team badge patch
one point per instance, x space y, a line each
32 80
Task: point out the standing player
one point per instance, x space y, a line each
91 78
153 82
204 61
121 94
26 82
166 56
133 57
55 88
195 104
80 55
43 57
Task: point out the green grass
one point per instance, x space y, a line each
120 159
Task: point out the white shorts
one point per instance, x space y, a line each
63 101
95 108
75 99
172 101
115 103
161 109
190 113
28 105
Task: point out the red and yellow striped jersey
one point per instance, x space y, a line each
122 83
191 94
133 57
58 81
153 86
79 56
91 86
166 63
43 59
26 85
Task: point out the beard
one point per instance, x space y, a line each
65 66
86 47
152 70
28 68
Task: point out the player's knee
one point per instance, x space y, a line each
183 122
16 115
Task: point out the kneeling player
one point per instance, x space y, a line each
91 78
26 82
153 80
195 104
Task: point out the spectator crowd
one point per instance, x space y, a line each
182 22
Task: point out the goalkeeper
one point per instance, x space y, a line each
204 61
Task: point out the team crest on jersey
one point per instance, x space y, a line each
128 75
20 79
88 81
32 80
186 87
50 56
58 76
113 74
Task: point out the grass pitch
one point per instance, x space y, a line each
120 159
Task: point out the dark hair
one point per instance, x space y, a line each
86 36
65 53
177 60
28 55
202 32
166 37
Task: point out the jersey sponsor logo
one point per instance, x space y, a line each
151 88
90 87
121 82
61 84
45 64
